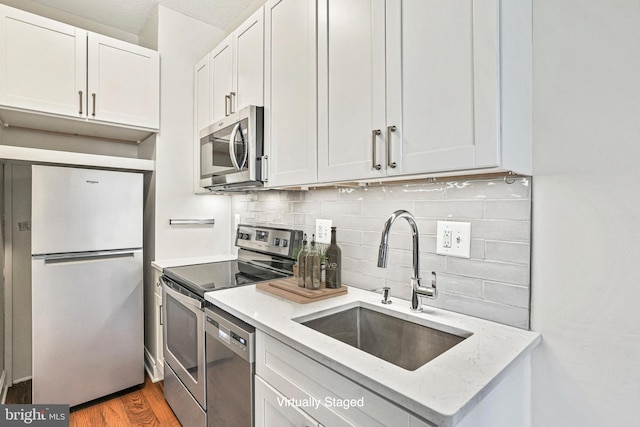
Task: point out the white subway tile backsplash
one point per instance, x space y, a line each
363 223
306 207
507 314
514 231
515 252
507 294
342 208
460 285
489 270
493 284
352 237
447 209
412 192
508 209
487 189
477 248
384 208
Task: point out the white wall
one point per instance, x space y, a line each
586 212
182 41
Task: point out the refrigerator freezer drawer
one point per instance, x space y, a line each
87 326
80 210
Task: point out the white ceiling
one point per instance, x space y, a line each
130 15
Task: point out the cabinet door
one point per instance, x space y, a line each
442 82
248 42
43 64
290 91
202 95
272 409
351 87
123 82
222 78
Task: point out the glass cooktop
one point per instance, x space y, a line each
213 276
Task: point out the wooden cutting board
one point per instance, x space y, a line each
288 288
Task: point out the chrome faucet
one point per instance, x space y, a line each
417 289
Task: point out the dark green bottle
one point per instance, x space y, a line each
333 263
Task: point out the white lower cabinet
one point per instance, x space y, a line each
298 384
272 409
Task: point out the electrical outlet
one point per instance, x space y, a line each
454 239
323 231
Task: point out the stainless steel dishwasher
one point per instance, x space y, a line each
230 359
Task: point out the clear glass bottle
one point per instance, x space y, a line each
302 255
312 266
333 263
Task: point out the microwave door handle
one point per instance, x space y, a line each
245 148
232 146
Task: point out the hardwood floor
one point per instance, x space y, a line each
137 406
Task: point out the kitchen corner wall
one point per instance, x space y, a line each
493 284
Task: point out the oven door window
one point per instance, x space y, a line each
182 335
225 151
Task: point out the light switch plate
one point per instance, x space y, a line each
323 231
454 239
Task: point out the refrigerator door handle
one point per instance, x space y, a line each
84 256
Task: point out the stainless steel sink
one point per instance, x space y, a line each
405 344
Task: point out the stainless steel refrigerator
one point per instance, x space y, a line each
87 314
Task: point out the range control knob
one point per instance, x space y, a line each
276 241
285 243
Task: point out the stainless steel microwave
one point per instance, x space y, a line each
232 152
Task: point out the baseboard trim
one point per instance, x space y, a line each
4 387
151 367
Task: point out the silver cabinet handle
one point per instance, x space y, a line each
80 95
390 162
227 103
93 113
375 165
232 100
264 162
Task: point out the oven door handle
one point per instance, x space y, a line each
183 299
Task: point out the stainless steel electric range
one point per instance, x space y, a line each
264 253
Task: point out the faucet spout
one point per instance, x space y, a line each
417 289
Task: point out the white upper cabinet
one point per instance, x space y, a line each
351 89
248 42
123 83
237 68
432 83
222 78
203 102
423 86
60 71
43 64
290 92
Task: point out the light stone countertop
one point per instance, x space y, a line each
175 262
442 391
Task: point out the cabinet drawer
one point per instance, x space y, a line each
299 377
